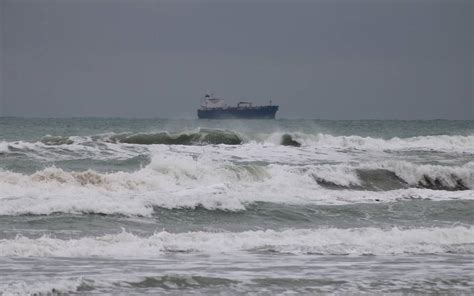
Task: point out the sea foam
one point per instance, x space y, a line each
331 241
174 180
128 144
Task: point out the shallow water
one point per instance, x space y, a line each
121 206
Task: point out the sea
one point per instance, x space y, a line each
110 206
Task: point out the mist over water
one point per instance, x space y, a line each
155 206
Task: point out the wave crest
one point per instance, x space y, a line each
191 180
202 136
392 175
331 241
56 140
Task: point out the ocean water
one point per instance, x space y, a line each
263 207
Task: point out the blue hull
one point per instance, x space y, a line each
261 112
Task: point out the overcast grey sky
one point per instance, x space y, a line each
316 59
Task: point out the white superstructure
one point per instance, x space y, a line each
212 102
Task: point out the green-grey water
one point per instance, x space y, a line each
154 206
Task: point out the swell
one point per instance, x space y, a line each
201 137
256 216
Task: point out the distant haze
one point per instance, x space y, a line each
316 59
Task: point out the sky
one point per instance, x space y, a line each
338 59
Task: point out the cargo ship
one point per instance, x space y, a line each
215 108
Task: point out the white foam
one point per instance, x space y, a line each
43 287
4 147
414 173
429 143
358 241
81 148
342 175
316 148
175 180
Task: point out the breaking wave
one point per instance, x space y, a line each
47 287
428 143
176 181
70 148
330 241
203 136
56 140
93 285
392 175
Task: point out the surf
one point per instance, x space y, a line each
328 241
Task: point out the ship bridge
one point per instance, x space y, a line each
212 102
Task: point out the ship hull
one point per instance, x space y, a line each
262 112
